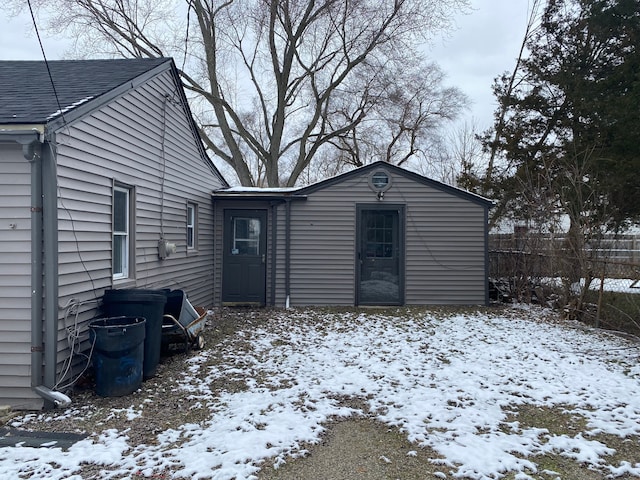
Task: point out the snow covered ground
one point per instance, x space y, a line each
620 285
448 381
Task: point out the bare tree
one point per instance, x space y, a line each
463 151
404 124
274 82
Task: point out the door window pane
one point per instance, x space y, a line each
379 235
246 236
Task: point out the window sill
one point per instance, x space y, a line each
123 282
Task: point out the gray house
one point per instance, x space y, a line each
104 183
378 235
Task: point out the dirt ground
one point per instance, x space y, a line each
358 449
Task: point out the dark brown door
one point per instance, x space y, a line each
243 267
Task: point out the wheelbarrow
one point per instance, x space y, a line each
181 323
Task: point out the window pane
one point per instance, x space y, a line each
119 254
246 236
191 214
246 247
380 180
121 244
120 211
379 235
189 237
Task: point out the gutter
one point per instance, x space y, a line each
42 160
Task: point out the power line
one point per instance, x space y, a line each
44 56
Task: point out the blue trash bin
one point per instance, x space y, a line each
118 354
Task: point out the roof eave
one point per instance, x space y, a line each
193 125
217 195
95 103
473 197
23 136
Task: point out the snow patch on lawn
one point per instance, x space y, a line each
447 382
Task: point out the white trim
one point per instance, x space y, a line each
122 237
192 222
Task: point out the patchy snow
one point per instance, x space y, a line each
242 189
620 285
448 382
617 285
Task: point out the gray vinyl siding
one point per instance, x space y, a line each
15 280
126 143
280 280
445 249
323 247
444 244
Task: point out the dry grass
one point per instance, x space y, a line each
356 448
364 449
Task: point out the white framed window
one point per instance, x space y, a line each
192 221
121 250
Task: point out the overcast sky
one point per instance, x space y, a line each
483 46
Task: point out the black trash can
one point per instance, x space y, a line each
118 354
148 304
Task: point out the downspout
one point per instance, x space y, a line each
486 257
287 254
274 239
36 262
49 201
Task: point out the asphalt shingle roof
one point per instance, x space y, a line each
27 97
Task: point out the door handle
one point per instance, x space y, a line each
263 258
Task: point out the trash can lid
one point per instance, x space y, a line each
110 322
134 295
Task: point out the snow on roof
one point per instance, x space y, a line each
241 189
64 110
